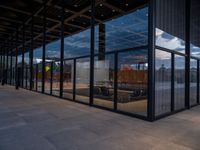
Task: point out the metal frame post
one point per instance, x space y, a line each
51 84
187 50
31 55
92 36
151 60
44 46
115 79
7 66
62 50
23 50
16 59
11 67
172 81
74 79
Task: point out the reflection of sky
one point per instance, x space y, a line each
26 57
37 55
124 32
193 63
163 39
195 51
19 59
163 58
128 31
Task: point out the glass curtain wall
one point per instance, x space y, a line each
193 82
37 73
132 79
19 68
170 40
13 69
56 78
77 50
26 70
8 69
179 82
52 74
68 78
120 57
162 82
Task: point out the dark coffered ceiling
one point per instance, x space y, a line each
15 13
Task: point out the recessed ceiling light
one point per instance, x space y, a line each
126 4
101 5
102 15
66 11
113 10
75 5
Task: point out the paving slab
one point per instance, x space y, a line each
34 121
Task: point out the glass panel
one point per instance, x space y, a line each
34 77
26 65
13 69
170 24
56 78
104 81
162 82
37 59
193 82
68 79
47 77
19 60
77 45
179 82
132 81
39 77
124 32
82 79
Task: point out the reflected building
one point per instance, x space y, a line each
139 58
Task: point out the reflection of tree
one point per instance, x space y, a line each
163 73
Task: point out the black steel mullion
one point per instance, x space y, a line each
62 50
51 84
36 77
26 76
74 80
23 51
197 81
11 57
3 65
92 42
172 82
31 56
7 66
115 79
151 60
44 46
16 59
187 64
0 65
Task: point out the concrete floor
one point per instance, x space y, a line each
32 121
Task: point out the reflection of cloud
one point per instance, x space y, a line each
161 55
166 40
